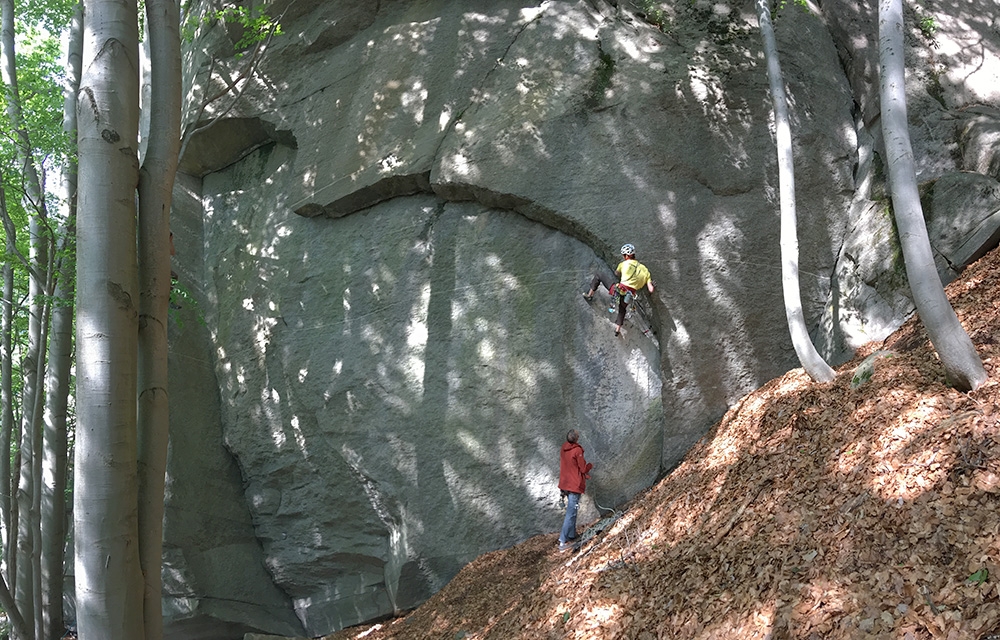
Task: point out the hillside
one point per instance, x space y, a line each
809 511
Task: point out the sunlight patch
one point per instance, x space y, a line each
472 445
300 438
460 165
530 13
901 472
642 374
369 631
466 493
404 458
444 117
598 616
413 101
537 479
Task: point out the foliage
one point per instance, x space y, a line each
783 3
979 577
40 78
50 16
927 25
180 297
256 24
655 15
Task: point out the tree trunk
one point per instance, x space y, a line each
54 462
20 628
52 499
961 363
156 181
7 395
811 361
108 577
45 309
28 586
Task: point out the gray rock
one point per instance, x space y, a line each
214 580
962 211
396 401
387 237
980 141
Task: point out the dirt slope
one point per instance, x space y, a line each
810 511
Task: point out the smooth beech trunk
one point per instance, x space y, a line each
108 578
962 364
156 181
6 395
7 602
7 379
54 436
811 361
27 577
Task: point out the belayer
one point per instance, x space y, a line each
632 276
574 471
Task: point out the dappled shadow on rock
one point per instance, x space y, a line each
810 511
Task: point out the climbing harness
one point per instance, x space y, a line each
620 293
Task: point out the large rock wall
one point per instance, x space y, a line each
387 236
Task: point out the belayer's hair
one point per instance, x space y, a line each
572 435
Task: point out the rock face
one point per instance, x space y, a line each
387 235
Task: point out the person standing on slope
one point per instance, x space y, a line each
633 276
574 470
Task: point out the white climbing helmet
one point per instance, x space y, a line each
628 250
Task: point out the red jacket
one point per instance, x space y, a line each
573 468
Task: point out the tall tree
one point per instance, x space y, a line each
962 364
10 606
811 361
33 138
27 588
156 181
6 383
108 577
54 454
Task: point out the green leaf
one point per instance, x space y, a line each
565 617
979 577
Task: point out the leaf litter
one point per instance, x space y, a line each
868 507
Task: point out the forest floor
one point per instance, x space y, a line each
810 511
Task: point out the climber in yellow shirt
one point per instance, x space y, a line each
632 275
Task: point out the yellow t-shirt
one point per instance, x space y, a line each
634 274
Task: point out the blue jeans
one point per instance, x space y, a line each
569 522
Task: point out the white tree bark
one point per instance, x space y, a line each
10 509
962 364
27 587
108 577
156 181
20 628
6 393
54 455
811 361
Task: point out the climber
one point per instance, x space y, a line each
633 275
